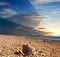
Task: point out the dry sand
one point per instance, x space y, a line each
44 48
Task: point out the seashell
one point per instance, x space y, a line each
26 49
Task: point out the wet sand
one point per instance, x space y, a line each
44 48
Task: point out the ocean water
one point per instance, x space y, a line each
44 37
50 37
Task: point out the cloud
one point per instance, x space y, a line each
46 6
51 9
3 3
35 2
29 20
7 13
35 17
52 12
33 20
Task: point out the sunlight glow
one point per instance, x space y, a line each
50 31
56 33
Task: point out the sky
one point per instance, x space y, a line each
50 9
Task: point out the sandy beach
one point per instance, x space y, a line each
43 48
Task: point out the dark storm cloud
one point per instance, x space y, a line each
29 20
